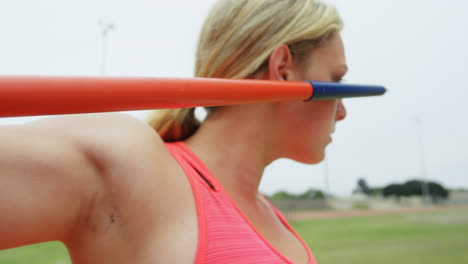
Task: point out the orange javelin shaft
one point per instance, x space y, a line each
27 96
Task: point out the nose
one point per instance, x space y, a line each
340 111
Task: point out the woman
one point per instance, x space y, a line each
113 191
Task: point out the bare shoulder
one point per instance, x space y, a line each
119 145
106 138
138 177
112 126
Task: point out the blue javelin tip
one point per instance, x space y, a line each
330 90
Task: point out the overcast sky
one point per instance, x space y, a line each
417 49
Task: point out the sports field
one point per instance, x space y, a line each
412 238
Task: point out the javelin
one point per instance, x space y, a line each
28 96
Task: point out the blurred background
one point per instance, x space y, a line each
402 156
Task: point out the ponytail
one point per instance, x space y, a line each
174 124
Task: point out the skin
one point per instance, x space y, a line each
106 186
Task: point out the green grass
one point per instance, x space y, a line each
44 253
427 238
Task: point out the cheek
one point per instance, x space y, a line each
312 119
313 125
322 115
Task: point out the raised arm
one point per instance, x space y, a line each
53 170
46 179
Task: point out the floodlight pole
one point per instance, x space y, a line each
105 29
424 183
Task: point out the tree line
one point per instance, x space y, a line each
410 188
310 194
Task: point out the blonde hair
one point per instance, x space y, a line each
237 39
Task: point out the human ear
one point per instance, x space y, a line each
281 65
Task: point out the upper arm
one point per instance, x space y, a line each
53 173
44 180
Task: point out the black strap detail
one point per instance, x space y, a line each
205 179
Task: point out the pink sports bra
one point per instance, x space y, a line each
225 234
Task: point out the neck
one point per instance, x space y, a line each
233 144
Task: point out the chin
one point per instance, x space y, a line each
311 159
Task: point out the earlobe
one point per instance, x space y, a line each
281 64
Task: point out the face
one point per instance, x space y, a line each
309 125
